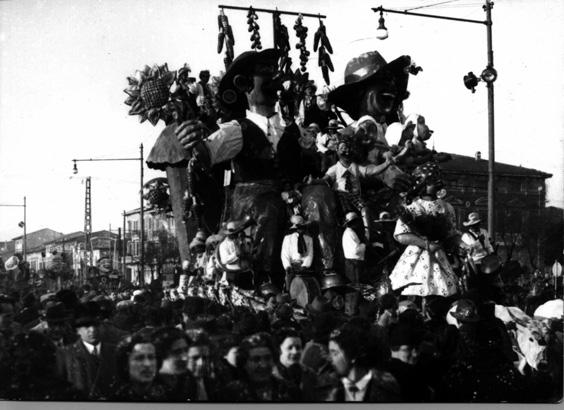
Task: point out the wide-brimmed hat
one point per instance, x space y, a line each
199 240
350 217
553 309
12 263
334 125
320 304
232 227
297 220
87 314
465 311
366 69
473 219
229 95
56 313
332 280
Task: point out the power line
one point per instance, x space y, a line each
431 5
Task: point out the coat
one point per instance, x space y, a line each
81 369
382 388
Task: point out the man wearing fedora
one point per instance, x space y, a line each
327 145
88 364
476 240
354 248
297 250
233 259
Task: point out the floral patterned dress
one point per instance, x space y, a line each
432 272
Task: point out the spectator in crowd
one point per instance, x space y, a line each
199 364
476 240
258 384
137 366
171 346
29 371
358 382
89 363
288 366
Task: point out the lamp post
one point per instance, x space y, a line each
488 75
142 211
22 224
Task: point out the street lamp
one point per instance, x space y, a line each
22 224
142 212
488 75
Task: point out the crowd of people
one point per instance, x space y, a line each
150 344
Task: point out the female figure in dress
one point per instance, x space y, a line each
427 227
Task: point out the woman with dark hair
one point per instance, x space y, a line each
172 346
358 381
137 365
288 367
29 371
256 362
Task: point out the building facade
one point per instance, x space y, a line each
520 202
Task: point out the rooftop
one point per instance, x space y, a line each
471 165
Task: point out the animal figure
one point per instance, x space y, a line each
527 335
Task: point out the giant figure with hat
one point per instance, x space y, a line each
259 148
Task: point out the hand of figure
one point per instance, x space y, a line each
190 132
433 247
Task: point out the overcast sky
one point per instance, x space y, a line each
64 66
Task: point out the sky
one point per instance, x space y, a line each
63 69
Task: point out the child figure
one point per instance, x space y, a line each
345 179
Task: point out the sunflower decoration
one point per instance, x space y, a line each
149 93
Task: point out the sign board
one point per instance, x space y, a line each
557 269
104 264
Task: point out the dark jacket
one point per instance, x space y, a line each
243 391
301 377
412 384
92 375
382 388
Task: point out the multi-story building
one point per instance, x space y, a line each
161 248
520 198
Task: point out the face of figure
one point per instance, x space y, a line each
382 98
232 355
322 102
176 361
340 362
259 364
142 363
265 87
407 354
89 334
344 150
290 351
198 360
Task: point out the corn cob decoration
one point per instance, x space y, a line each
252 18
225 37
321 41
301 33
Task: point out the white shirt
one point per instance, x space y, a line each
352 247
225 143
229 253
290 253
477 251
361 386
90 348
321 141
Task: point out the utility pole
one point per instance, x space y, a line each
491 129
88 221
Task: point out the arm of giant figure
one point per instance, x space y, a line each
222 145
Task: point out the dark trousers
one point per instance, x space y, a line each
354 270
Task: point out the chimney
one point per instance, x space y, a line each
478 155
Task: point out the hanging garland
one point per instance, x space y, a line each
282 43
226 37
252 18
321 40
301 33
